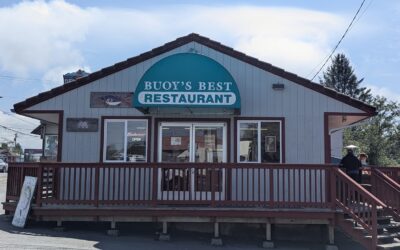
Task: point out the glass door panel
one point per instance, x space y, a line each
209 148
208 144
175 143
175 146
191 142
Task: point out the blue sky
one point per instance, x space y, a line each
41 40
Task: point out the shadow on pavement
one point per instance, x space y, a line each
143 236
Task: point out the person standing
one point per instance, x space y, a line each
352 165
363 157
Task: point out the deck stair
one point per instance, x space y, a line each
370 208
388 231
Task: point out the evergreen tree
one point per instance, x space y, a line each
380 137
340 77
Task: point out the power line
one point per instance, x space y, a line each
26 79
16 117
16 131
341 39
362 13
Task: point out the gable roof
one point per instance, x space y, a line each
21 106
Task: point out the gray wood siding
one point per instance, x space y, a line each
302 108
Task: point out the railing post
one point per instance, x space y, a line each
39 186
374 226
154 185
96 185
333 187
374 189
213 184
271 187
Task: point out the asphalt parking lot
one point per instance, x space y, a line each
133 236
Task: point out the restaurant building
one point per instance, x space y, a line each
192 131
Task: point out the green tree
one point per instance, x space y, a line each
4 145
379 138
340 77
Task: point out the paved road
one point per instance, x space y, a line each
133 236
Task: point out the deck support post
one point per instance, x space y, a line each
331 236
268 243
113 231
216 241
59 227
164 236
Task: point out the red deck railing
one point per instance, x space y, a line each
392 172
16 175
213 185
265 185
387 190
357 202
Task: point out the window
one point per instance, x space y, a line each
50 147
125 140
259 141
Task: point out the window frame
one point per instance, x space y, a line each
258 122
44 146
107 120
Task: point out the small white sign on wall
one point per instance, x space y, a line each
24 203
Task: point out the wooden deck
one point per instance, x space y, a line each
236 193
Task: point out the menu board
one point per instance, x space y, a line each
24 203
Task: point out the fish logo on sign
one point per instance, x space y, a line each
111 100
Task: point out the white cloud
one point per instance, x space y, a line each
47 39
383 91
36 36
49 36
294 39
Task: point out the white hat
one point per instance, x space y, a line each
351 147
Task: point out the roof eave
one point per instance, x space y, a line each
21 106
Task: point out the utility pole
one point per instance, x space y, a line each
15 140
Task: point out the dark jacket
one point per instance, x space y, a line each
350 163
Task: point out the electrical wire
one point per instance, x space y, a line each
18 132
362 13
341 39
26 79
16 117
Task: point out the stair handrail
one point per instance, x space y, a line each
384 176
370 224
392 172
359 188
391 192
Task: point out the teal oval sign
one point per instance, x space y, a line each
187 80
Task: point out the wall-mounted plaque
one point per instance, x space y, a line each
24 202
82 124
111 99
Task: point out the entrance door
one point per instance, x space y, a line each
191 143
